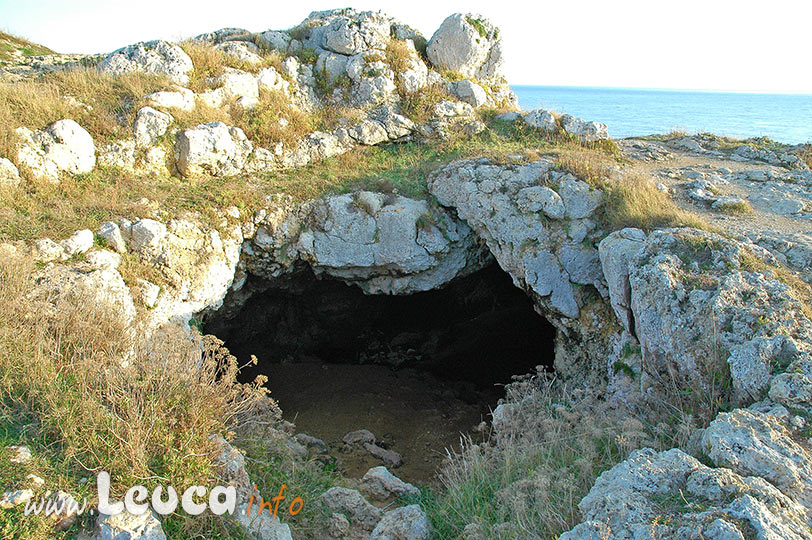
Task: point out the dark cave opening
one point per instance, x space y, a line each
479 329
417 370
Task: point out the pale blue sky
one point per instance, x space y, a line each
738 45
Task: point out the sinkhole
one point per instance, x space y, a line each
417 370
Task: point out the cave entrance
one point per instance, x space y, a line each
416 370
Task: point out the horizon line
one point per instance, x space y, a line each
665 89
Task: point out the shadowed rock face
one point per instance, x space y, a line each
479 328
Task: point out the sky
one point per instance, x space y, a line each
726 45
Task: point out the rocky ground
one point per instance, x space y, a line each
709 325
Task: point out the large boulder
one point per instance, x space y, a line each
357 33
156 57
467 44
212 149
62 147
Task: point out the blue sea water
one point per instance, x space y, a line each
632 112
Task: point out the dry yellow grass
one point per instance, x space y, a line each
210 62
150 418
111 103
635 201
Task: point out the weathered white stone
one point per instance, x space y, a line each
9 175
80 242
126 526
118 154
468 44
469 92
11 499
112 234
579 199
104 259
356 34
616 252
179 98
351 503
541 199
541 119
215 149
270 79
158 57
585 131
148 292
62 147
241 50
448 109
46 250
146 233
149 125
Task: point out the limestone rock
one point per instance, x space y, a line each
757 444
104 259
579 199
149 125
616 252
351 503
379 483
535 251
263 526
80 242
9 175
62 147
541 199
693 303
118 154
179 98
241 50
357 33
469 92
630 501
393 248
146 233
406 523
11 499
158 57
112 235
359 436
585 131
448 109
46 250
541 119
126 526
468 44
214 148
389 457
20 454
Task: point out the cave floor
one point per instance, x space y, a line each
411 412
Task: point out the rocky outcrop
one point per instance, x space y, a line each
62 147
157 57
672 495
467 44
406 523
543 238
699 298
384 244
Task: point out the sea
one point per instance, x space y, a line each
786 118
